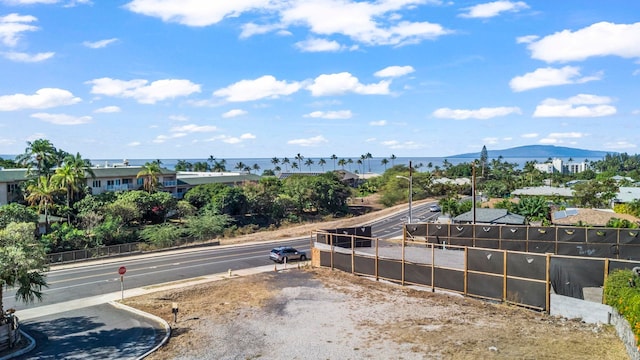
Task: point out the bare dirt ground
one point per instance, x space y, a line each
316 313
313 313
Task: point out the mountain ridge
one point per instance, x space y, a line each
539 151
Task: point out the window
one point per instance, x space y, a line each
126 181
140 181
96 184
110 182
12 188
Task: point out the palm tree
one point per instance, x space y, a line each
360 162
256 167
349 162
277 169
66 178
294 166
149 173
334 158
183 165
275 161
240 166
342 163
219 166
299 159
384 162
393 160
308 163
211 160
41 194
286 163
369 157
39 154
322 162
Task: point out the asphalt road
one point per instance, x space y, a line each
90 331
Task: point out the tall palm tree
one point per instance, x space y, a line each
41 194
211 160
299 158
294 166
334 158
150 172
349 162
369 157
393 160
286 163
219 166
256 167
342 163
322 162
66 178
360 162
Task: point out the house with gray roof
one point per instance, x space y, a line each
543 191
490 216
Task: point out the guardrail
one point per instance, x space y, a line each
92 253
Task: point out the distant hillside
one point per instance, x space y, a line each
538 152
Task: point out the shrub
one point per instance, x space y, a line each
621 295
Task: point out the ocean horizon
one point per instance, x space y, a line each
373 165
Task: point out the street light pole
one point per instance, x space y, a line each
410 179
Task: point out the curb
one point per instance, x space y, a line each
31 346
165 324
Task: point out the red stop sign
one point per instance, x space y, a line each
122 270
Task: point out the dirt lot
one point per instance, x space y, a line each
313 313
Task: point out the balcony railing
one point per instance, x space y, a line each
170 183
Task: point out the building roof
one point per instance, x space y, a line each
12 175
227 179
491 216
458 181
544 191
627 194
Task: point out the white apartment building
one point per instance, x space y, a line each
559 166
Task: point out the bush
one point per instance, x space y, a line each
621 295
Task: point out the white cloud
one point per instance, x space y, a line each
6 142
62 119
163 138
27 58
251 29
582 105
100 43
527 39
233 139
600 39
134 143
263 87
371 23
482 113
247 136
313 141
619 145
560 138
234 113
143 91
193 128
178 118
43 99
378 123
530 135
490 140
394 71
319 45
550 77
341 83
108 109
13 25
397 145
341 114
488 10
29 2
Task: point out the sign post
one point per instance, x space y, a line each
122 270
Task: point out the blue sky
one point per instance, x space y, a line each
264 78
